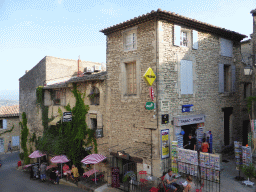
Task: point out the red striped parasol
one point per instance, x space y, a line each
93 159
60 159
36 154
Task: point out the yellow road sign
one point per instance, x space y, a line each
149 76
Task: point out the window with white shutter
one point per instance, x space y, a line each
195 39
15 140
226 47
177 30
186 77
4 123
131 85
130 40
47 98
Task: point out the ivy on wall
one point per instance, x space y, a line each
7 131
249 100
69 138
24 137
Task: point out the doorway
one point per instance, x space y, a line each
246 127
227 113
189 129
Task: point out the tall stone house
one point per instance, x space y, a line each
50 70
9 127
198 70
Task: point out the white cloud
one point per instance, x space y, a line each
59 1
111 11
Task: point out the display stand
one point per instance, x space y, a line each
238 157
247 160
174 157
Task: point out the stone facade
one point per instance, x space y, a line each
128 122
7 121
48 71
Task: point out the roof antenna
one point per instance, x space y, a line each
78 72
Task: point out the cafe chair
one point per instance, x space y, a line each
154 189
142 176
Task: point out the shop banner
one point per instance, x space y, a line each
165 144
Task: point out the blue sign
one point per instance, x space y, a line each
187 108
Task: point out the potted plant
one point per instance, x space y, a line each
249 171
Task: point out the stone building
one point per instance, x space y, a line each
9 121
196 65
49 70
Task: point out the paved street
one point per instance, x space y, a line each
12 180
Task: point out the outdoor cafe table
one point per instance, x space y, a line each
89 173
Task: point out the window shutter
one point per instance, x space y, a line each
47 98
226 47
63 98
183 75
15 140
233 68
177 35
221 78
195 39
189 77
4 123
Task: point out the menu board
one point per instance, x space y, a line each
246 155
174 156
238 153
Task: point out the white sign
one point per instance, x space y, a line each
187 120
67 116
164 105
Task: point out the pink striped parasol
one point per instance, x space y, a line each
60 159
36 154
93 159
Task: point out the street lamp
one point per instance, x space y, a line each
248 70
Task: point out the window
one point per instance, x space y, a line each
93 121
130 40
247 90
1 124
186 77
227 78
226 47
94 96
184 39
131 85
59 97
15 140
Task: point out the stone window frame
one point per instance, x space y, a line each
96 99
189 37
122 78
129 32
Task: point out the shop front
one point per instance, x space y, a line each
186 125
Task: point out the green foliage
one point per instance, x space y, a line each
39 95
69 137
249 100
7 131
21 156
249 171
24 137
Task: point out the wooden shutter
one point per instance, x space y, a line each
195 39
177 35
131 78
63 98
47 98
15 140
226 47
189 77
221 78
4 123
183 74
233 72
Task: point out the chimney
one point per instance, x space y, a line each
79 72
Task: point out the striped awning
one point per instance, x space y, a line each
93 159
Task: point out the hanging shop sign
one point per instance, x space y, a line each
99 133
165 118
151 93
88 148
123 155
187 120
165 144
150 105
187 108
67 116
149 76
164 105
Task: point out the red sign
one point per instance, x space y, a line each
151 93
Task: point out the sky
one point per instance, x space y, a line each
32 29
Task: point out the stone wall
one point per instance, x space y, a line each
11 121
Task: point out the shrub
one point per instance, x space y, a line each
21 156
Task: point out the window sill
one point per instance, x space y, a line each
127 50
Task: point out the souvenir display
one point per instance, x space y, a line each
199 136
203 172
180 141
174 156
247 155
217 176
238 154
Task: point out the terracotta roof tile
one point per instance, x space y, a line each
174 17
9 111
